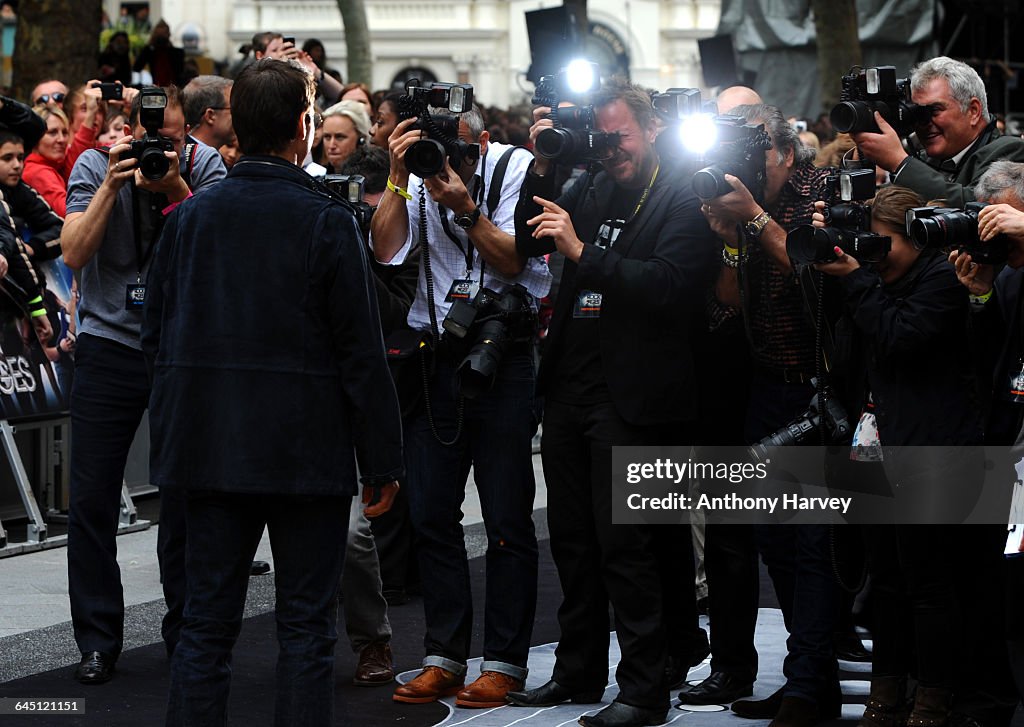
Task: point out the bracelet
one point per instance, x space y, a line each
732 261
41 310
400 191
734 251
982 299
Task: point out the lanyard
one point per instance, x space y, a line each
477 196
645 195
140 258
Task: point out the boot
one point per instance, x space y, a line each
931 707
886 704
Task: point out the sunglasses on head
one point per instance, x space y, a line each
46 97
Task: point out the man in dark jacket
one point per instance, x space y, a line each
259 402
617 370
960 141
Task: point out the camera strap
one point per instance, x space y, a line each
153 227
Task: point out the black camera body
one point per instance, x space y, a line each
945 227
496 321
351 189
849 224
740 150
866 90
806 426
110 91
149 150
574 138
426 157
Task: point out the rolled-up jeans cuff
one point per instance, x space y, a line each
516 672
454 667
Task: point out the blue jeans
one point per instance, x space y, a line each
496 440
307 536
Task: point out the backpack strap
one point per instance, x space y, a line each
498 178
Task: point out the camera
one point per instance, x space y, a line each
497 320
351 190
149 150
801 429
573 139
866 90
110 91
849 224
738 149
943 227
426 157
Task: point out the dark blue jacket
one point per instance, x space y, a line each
262 332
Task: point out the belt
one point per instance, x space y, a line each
790 376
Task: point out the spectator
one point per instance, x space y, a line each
230 152
346 127
316 51
113 127
207 101
49 165
50 93
115 63
166 62
385 120
358 92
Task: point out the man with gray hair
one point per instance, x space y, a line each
207 104
959 142
463 220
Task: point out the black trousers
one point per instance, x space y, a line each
108 397
730 560
599 562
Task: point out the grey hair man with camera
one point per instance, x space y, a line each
115 214
959 141
453 195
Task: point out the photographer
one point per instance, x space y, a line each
462 220
915 385
115 215
960 141
617 370
758 282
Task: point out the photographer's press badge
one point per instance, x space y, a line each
135 296
462 289
1016 394
587 305
609 232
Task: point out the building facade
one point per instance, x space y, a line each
483 42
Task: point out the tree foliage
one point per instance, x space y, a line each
55 39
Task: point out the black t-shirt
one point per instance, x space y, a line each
579 377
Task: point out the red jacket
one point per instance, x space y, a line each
50 178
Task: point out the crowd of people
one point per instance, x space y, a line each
668 318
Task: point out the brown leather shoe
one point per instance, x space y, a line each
488 691
432 684
375 665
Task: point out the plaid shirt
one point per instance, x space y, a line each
779 331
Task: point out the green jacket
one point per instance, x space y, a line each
933 184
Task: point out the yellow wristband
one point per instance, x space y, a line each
982 299
734 251
400 191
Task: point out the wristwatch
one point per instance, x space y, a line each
756 226
466 220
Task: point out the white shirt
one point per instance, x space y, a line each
447 261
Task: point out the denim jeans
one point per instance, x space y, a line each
496 441
307 536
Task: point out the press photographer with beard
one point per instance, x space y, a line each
462 219
959 143
912 384
617 370
782 340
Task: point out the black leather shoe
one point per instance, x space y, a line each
765 708
679 666
618 714
551 694
719 688
849 647
95 668
259 568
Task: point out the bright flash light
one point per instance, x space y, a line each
581 76
698 133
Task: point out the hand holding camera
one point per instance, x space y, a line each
120 170
996 219
842 266
554 222
406 134
736 207
447 189
884 147
976 277
541 121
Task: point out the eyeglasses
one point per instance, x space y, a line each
47 97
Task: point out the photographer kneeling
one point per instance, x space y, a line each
913 384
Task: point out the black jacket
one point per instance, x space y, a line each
914 356
262 330
653 280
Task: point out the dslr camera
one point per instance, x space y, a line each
739 149
496 321
149 150
351 190
849 224
805 426
944 227
426 157
689 125
866 90
574 138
